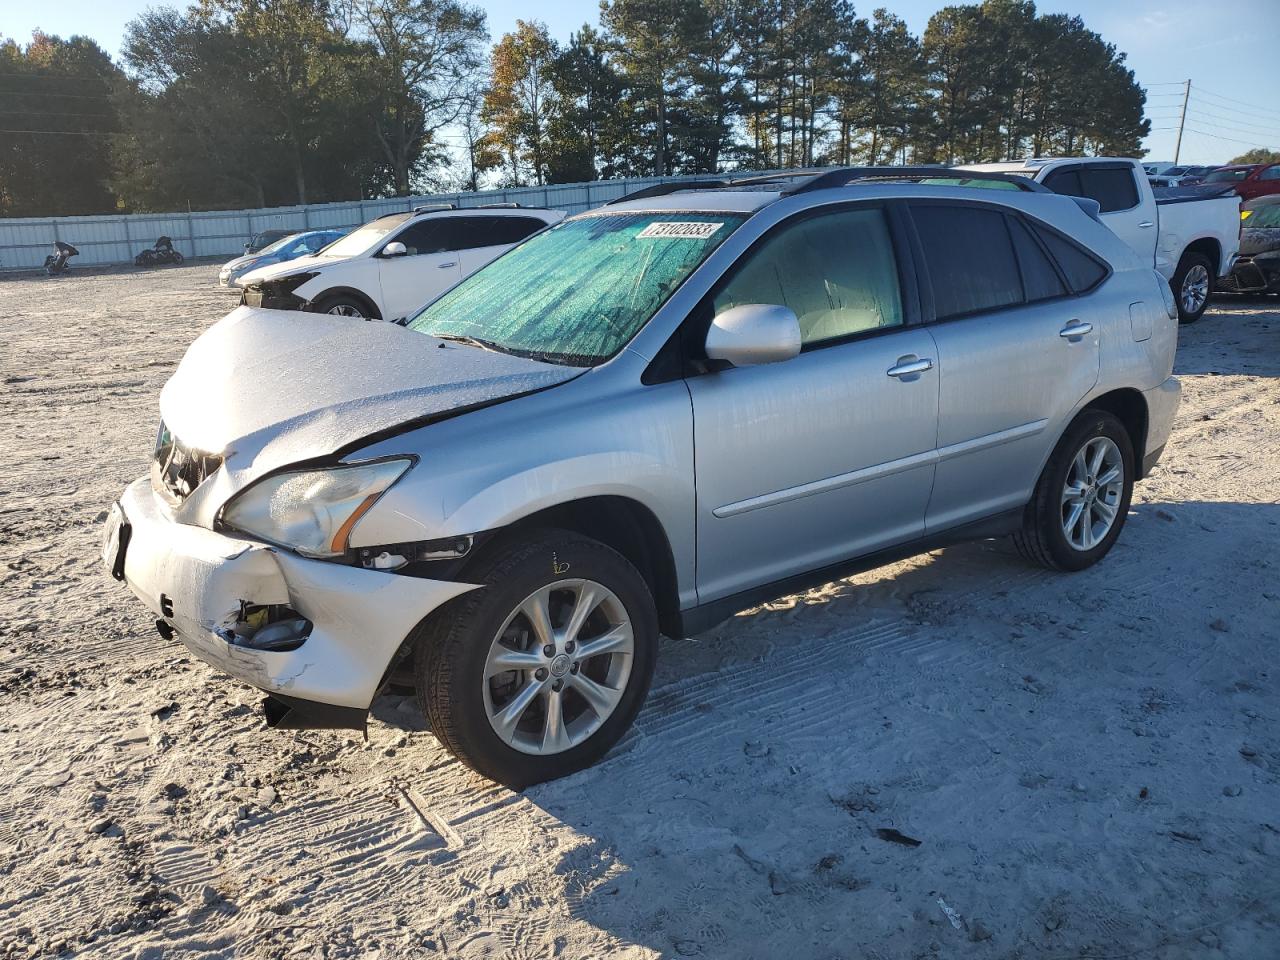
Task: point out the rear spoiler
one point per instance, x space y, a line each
1090 207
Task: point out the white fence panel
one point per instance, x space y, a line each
104 240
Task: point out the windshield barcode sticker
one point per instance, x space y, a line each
680 230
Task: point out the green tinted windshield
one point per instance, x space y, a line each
578 292
976 182
1268 216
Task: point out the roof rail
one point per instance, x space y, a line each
843 176
428 207
675 186
821 179
508 205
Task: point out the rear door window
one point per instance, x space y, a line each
1039 276
1065 182
970 259
480 231
1113 187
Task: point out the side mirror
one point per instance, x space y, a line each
754 333
394 249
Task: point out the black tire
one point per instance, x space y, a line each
177 258
1042 538
452 647
1186 265
339 302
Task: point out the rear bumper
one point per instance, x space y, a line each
1162 405
198 582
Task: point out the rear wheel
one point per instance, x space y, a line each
343 305
1081 500
1192 286
542 670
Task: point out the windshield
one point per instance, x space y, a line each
577 293
1226 176
358 241
1268 216
978 183
279 244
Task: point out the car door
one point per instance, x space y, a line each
1265 183
1017 351
486 236
429 266
1125 209
804 463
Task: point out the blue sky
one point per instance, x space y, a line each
1230 54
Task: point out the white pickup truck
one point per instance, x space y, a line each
1191 238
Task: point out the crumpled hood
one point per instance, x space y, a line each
298 265
267 388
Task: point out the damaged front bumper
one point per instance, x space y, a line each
334 628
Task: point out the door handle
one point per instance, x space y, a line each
446 266
1075 330
910 367
1146 223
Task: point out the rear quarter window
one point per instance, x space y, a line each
1039 275
1082 270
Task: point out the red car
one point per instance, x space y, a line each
1250 180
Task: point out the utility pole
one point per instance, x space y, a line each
1186 95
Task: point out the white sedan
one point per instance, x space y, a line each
395 264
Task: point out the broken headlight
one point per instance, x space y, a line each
312 511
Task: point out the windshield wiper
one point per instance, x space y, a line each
469 341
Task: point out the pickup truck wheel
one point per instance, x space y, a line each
1192 286
1081 500
538 673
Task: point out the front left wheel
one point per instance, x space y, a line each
538 673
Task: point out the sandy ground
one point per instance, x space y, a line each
1090 762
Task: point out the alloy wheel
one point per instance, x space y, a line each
558 667
1195 288
1092 492
344 310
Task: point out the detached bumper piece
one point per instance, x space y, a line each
292 713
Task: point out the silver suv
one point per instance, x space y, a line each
639 421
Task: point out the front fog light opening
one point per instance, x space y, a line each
273 628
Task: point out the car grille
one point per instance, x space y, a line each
177 468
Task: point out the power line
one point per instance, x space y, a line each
1233 124
1215 122
1232 117
1218 136
1243 103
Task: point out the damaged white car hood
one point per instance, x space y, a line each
286 268
267 388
